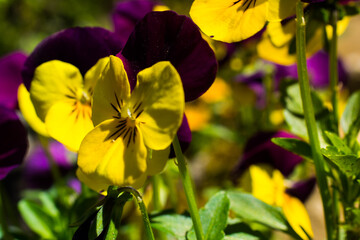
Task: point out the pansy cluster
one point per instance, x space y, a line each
246 98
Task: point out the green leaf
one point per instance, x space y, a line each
102 219
241 230
214 217
36 218
292 100
252 209
351 112
241 236
294 145
338 142
112 231
349 164
171 223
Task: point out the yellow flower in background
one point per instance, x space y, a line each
271 190
233 21
62 100
278 41
133 131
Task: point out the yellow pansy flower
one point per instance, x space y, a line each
62 100
133 130
233 21
271 190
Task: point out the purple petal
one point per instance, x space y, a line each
184 136
82 47
37 168
126 14
318 68
260 149
302 189
166 36
13 143
10 78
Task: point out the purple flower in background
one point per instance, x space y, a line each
37 171
127 14
82 47
13 143
10 78
160 36
318 69
260 149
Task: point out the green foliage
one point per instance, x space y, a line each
173 224
294 145
214 217
249 208
37 219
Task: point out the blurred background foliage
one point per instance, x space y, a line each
24 23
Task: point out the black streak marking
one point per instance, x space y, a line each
139 114
115 108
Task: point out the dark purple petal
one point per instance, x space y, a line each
37 170
10 78
166 36
318 68
343 2
126 14
184 136
302 189
13 143
260 149
82 47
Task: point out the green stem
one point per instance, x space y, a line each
334 66
148 230
189 192
3 211
310 120
156 192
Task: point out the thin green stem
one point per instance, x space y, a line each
156 192
148 230
310 120
189 192
333 71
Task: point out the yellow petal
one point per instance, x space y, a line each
229 20
112 158
93 75
28 111
280 9
111 91
68 122
266 188
297 216
341 27
100 183
157 160
275 43
158 104
54 81
262 185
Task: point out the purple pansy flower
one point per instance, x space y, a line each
10 78
260 149
167 36
127 14
82 47
13 143
318 68
37 172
